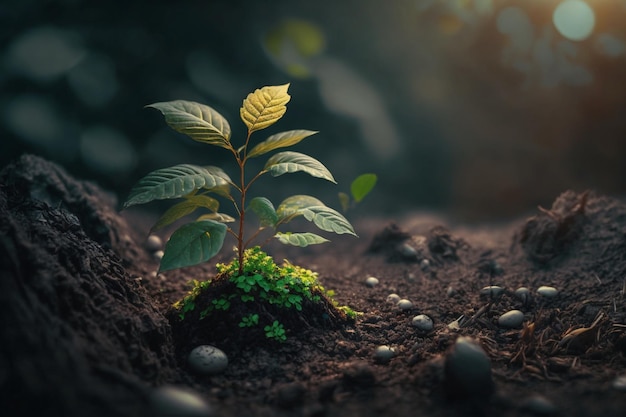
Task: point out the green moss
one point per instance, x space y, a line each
262 286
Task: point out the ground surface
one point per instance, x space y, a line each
84 328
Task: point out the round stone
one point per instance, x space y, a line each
450 291
206 359
405 304
547 292
522 293
384 353
619 383
371 282
158 254
423 322
425 264
468 369
393 298
511 319
407 251
154 243
492 291
168 400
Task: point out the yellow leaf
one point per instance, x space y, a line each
264 107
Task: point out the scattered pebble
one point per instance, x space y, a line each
393 298
168 400
619 383
547 292
468 369
158 254
523 294
538 404
154 243
511 319
407 251
425 264
206 359
371 282
423 322
405 304
492 291
450 291
384 353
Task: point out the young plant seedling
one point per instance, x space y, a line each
359 188
252 278
200 240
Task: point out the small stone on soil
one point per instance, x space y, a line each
393 298
154 243
206 359
523 294
405 304
425 264
450 291
167 401
158 254
423 322
538 404
468 369
371 282
407 251
547 292
492 291
384 353
619 383
511 319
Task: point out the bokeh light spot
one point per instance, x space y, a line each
574 19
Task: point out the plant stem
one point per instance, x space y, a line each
242 208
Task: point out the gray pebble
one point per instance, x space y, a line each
384 353
538 404
511 319
405 304
393 298
492 291
523 294
619 383
206 359
468 369
547 292
450 291
423 322
154 243
371 282
407 251
168 401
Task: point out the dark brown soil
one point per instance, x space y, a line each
84 329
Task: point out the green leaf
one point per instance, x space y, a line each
188 206
362 185
293 205
264 208
192 244
198 121
344 200
300 239
280 140
288 162
218 217
264 107
314 211
172 182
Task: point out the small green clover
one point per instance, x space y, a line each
249 320
275 331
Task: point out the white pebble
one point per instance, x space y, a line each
547 292
393 298
384 353
168 400
423 322
450 291
158 254
371 282
492 291
424 264
206 359
619 383
154 243
511 319
405 304
407 251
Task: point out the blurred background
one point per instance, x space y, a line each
481 109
